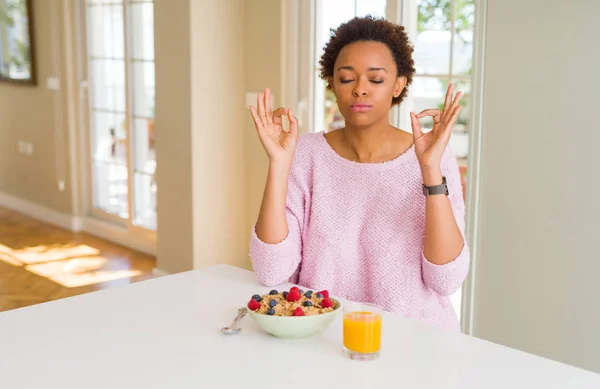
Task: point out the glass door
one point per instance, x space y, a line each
120 69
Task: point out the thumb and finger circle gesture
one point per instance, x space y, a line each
278 143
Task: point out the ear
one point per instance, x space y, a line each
330 82
399 85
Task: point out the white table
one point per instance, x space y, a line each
164 333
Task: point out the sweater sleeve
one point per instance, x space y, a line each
276 263
448 278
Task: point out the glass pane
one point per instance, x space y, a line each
109 140
460 134
145 200
110 188
144 157
142 26
374 8
432 44
462 56
432 52
143 89
108 84
105 31
332 14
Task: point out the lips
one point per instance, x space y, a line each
360 107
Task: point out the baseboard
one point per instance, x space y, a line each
101 229
40 212
116 234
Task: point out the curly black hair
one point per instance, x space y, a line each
369 28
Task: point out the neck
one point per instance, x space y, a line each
369 144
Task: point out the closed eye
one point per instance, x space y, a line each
373 81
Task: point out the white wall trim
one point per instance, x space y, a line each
116 234
474 171
39 212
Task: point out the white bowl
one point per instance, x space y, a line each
295 326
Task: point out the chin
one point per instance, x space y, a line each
360 120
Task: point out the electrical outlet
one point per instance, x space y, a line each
61 185
29 148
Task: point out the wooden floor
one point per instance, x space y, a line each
40 262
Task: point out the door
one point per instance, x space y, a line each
119 59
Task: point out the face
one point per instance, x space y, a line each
364 82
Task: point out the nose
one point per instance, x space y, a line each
360 90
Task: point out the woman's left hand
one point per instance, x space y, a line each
430 146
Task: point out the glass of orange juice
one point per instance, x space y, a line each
362 330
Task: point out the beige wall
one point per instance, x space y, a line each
201 137
173 123
38 115
538 260
218 155
263 49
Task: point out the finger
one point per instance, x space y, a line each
448 100
457 98
416 126
435 113
268 111
277 115
256 118
293 124
450 126
260 101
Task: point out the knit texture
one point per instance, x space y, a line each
358 230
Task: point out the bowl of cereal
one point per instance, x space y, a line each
293 313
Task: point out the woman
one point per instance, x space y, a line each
369 212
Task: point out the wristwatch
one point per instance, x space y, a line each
437 189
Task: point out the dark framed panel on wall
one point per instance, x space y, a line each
17 47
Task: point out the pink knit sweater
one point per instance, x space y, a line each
358 229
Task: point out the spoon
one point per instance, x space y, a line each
233 328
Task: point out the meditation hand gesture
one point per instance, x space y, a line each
430 147
278 143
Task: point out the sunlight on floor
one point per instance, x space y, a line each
39 254
68 265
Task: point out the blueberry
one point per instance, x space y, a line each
319 296
307 303
301 292
273 292
272 303
285 294
309 294
270 311
257 298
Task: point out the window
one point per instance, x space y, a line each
120 58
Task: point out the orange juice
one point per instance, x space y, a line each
362 331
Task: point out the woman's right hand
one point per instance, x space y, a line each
278 143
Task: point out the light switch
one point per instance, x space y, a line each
53 83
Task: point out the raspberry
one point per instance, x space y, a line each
253 305
294 288
293 295
324 293
298 312
326 303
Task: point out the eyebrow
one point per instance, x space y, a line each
370 69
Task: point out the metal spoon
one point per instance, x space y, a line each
233 328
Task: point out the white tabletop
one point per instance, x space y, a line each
164 333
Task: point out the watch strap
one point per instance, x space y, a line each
436 189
